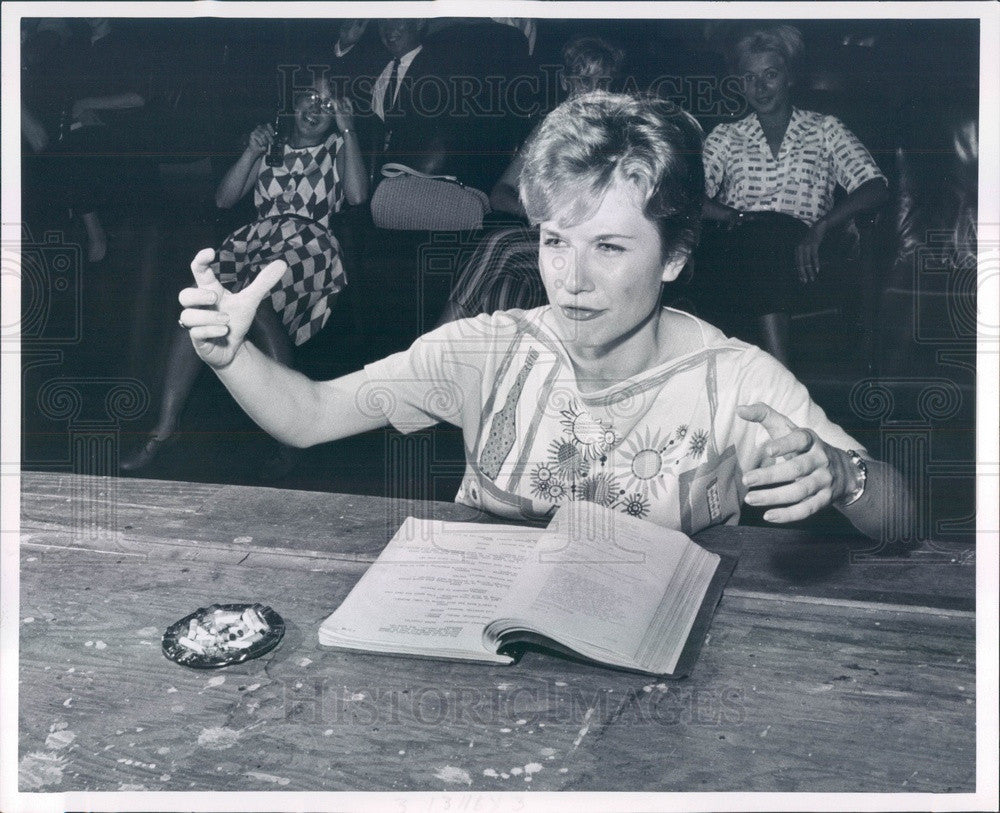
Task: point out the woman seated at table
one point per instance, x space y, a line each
320 167
770 178
602 395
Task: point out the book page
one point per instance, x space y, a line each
432 590
599 580
661 648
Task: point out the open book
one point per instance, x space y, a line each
596 584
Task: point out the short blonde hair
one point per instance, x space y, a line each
592 141
783 40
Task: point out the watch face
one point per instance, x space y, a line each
860 479
223 634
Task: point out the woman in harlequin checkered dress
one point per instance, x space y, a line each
770 180
321 168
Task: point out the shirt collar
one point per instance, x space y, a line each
755 128
796 122
407 58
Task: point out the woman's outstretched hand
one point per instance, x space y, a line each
216 319
807 473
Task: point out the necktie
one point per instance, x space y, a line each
389 101
389 105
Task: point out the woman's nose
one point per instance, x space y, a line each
576 274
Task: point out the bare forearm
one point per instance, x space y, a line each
885 512
118 101
869 195
33 131
713 210
354 175
504 195
292 407
504 198
238 180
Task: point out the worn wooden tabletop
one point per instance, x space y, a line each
826 669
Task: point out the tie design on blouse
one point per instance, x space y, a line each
503 430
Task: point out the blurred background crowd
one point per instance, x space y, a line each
131 126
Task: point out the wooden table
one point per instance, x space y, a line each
822 672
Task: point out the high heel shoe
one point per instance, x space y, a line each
151 448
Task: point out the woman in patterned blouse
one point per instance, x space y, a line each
321 167
601 396
770 179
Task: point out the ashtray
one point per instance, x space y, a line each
223 634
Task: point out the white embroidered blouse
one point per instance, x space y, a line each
665 445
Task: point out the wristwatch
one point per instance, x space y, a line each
860 481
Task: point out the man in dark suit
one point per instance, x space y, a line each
413 125
410 101
449 110
439 116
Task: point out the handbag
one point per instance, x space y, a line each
406 199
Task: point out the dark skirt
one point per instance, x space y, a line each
750 269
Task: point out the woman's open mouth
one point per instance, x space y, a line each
578 314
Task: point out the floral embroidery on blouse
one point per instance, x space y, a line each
575 465
591 436
699 440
